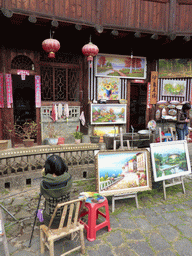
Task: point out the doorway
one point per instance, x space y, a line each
23 99
138 101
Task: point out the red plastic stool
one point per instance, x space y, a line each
93 213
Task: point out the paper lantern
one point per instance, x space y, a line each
51 46
90 50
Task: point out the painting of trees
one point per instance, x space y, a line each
175 68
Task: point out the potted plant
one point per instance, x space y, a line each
27 131
95 138
77 135
54 135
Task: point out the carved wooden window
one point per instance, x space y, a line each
59 83
22 62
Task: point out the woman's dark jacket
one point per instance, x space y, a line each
181 116
55 190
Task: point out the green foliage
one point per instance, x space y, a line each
78 135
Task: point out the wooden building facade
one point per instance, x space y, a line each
152 29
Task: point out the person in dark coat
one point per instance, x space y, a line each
182 121
55 187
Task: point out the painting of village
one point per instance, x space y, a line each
123 172
108 113
120 66
170 160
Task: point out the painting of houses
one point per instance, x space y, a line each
123 171
170 160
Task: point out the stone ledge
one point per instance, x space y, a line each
48 149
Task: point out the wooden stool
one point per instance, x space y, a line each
93 213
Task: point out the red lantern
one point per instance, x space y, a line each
51 46
90 50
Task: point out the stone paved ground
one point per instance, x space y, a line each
156 228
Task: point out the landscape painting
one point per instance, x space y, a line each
123 172
108 113
171 68
108 88
120 66
174 88
170 159
102 130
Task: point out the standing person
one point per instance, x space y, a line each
55 187
182 121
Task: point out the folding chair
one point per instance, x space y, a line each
165 137
70 215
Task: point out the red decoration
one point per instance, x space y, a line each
90 50
51 46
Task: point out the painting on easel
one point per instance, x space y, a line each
170 159
120 172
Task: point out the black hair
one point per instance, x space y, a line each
186 106
55 165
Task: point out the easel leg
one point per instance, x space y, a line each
164 190
136 201
113 203
7 211
183 185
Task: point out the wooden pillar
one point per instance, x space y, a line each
38 121
128 104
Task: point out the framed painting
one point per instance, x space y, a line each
108 113
171 68
120 66
170 159
102 130
108 88
121 172
174 88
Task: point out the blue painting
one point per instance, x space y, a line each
120 66
170 160
123 171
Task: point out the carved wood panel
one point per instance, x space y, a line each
60 83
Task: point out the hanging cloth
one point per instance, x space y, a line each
66 111
82 118
53 113
59 110
56 113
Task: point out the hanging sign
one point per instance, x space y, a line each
8 80
148 95
38 91
154 87
1 91
23 73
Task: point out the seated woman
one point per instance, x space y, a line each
55 187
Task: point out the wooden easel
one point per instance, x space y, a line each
123 196
3 238
173 183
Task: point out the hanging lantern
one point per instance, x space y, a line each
90 50
51 46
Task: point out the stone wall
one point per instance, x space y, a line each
21 167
